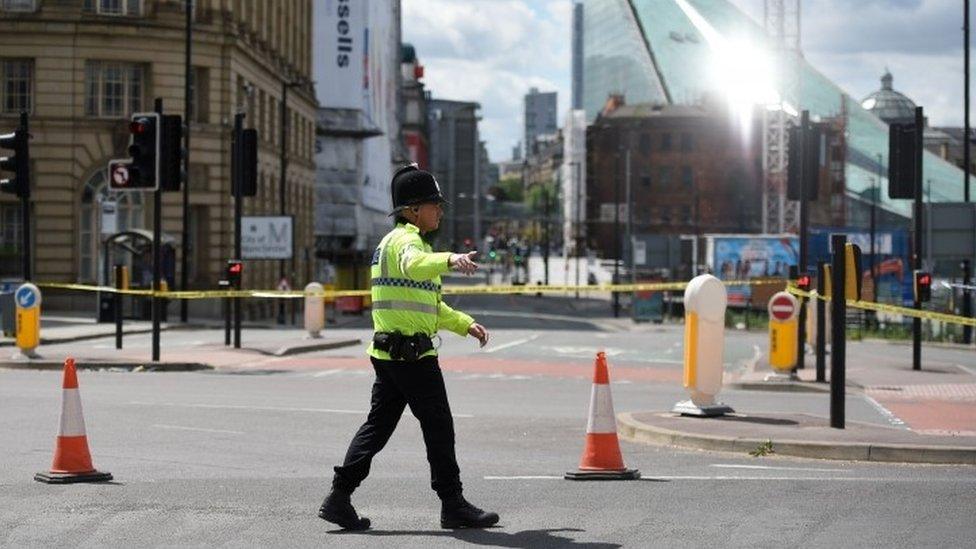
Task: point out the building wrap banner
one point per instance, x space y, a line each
341 39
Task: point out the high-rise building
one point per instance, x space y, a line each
540 116
577 37
83 67
674 52
455 162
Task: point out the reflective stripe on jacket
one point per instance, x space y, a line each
406 289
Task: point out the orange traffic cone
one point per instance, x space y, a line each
72 460
601 458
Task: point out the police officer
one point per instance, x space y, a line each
407 312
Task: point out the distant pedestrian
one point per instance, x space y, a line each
407 313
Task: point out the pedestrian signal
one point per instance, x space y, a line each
804 283
923 286
235 268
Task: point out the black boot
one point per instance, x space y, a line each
337 509
456 512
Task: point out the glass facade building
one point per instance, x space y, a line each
663 51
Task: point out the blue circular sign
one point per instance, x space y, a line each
27 296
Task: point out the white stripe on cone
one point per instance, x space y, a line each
601 418
72 420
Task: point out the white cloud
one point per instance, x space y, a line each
492 52
920 41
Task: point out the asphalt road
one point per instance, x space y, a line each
214 458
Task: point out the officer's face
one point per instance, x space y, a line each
429 217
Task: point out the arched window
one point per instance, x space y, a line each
129 212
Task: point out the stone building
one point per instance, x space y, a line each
82 67
691 172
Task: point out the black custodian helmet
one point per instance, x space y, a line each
412 186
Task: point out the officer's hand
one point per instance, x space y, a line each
463 263
480 332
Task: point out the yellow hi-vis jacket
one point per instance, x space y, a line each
406 289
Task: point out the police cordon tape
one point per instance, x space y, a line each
447 290
513 289
888 308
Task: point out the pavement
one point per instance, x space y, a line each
931 412
259 342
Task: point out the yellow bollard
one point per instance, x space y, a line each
705 301
783 336
28 302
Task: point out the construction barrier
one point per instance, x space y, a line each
601 459
72 460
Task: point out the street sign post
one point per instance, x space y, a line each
783 334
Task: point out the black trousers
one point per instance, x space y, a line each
420 385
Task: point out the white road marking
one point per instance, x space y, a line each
324 373
509 344
724 477
266 408
180 427
772 468
892 418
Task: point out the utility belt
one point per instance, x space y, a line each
403 347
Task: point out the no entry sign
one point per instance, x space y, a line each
782 307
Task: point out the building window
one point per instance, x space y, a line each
19 5
687 177
130 216
16 76
113 90
114 7
664 176
686 214
665 141
644 143
10 239
10 228
645 180
687 143
199 95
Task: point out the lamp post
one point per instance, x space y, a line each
285 86
187 117
577 217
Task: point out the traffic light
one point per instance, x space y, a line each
902 159
852 271
18 163
235 268
171 152
922 286
144 151
812 148
246 148
803 282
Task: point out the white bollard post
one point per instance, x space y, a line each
314 309
705 302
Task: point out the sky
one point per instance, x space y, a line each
493 51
